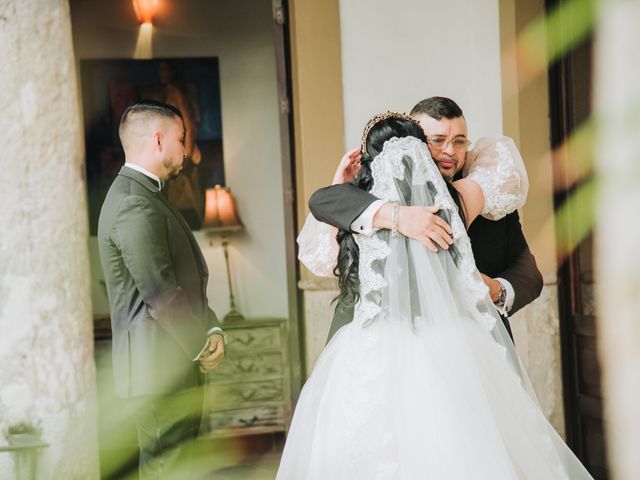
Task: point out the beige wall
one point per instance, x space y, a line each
397 53
240 34
316 70
317 97
526 118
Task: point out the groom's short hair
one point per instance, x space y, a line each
437 107
145 110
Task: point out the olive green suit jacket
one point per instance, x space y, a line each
156 280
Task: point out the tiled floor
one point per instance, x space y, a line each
238 458
248 458
262 468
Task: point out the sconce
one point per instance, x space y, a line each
145 10
221 218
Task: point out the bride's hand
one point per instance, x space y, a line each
348 167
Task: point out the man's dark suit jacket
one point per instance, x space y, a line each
156 281
499 247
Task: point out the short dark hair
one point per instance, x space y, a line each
148 107
438 107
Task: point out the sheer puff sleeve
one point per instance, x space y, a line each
496 165
317 247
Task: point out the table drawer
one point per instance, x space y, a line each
248 367
267 416
251 340
241 394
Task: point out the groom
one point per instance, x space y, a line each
165 336
499 247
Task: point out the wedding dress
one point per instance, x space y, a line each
424 383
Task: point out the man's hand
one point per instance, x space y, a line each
419 223
495 287
212 356
348 167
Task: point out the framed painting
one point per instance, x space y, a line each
190 84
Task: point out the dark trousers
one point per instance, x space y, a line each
167 427
507 325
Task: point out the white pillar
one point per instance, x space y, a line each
47 370
618 254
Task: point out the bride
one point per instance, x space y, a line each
424 382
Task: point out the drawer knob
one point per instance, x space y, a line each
249 422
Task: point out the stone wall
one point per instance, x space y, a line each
318 313
536 332
47 373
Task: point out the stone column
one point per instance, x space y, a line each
318 314
617 253
536 330
47 370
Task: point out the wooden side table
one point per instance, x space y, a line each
250 392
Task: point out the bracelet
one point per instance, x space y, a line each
395 215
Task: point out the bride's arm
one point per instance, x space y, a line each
495 180
317 245
472 199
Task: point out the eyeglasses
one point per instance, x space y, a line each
440 143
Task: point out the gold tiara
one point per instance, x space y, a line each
376 119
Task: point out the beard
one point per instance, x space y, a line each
450 171
172 168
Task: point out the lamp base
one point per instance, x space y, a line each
233 316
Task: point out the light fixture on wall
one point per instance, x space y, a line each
221 218
145 10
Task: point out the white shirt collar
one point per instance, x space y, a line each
145 172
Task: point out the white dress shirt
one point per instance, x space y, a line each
364 223
146 172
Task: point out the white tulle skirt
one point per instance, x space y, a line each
432 401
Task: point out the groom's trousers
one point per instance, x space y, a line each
168 427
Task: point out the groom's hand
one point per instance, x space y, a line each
422 224
212 356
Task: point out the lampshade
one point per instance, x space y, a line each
145 10
220 213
